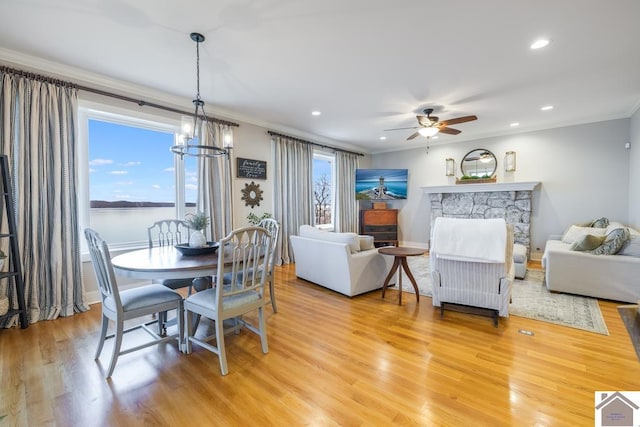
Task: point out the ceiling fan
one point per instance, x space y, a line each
429 125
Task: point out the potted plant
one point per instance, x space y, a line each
197 222
255 219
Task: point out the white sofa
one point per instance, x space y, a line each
613 277
344 262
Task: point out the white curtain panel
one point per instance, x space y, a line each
38 121
293 191
346 209
215 197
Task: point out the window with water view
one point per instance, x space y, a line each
132 180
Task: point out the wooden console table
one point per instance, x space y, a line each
382 224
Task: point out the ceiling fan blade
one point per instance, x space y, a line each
412 127
450 131
423 120
458 120
413 135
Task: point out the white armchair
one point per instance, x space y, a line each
472 265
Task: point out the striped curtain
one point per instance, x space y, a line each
39 135
214 184
293 167
346 209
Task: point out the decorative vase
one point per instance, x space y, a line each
197 239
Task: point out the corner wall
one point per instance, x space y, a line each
583 170
634 170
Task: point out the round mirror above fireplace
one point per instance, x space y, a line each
479 163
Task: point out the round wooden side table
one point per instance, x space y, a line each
401 254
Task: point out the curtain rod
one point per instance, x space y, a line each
140 102
272 133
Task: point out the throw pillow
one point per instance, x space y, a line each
575 232
366 242
600 223
612 243
587 242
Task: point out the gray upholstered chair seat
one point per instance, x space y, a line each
137 298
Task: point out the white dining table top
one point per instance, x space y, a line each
164 262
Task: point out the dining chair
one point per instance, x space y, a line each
272 226
171 232
245 253
120 306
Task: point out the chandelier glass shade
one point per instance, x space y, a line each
191 141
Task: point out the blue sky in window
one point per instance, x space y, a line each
321 167
131 163
135 164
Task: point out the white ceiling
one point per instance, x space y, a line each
367 65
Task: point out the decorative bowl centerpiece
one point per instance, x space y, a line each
208 248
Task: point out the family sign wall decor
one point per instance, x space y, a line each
252 169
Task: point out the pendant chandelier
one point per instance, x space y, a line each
190 142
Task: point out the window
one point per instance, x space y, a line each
323 189
132 178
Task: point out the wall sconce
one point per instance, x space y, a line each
451 167
510 161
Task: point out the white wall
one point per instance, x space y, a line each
583 170
251 142
634 171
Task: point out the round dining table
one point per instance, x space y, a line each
164 262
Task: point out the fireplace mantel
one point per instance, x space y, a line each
479 188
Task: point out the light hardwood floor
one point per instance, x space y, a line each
363 361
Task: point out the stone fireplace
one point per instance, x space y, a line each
511 201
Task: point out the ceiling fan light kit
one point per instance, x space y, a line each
430 131
429 125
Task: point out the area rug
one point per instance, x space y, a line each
529 298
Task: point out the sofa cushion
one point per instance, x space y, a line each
631 246
587 242
612 243
575 232
350 239
519 253
366 242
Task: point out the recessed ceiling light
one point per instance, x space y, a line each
539 44
315 113
547 108
514 124
383 138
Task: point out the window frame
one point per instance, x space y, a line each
88 110
331 158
